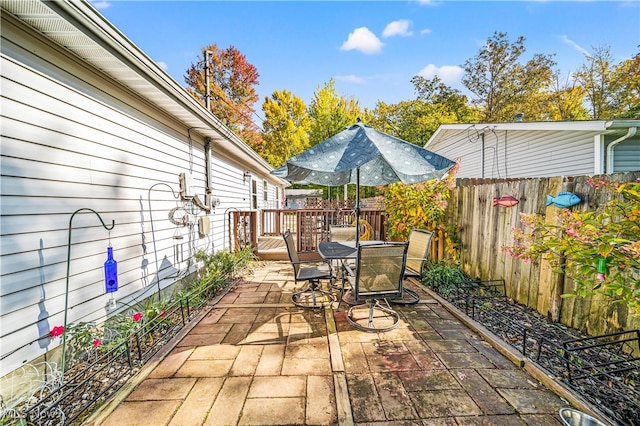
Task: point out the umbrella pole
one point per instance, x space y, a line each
357 206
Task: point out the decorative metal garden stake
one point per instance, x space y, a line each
602 268
110 272
66 292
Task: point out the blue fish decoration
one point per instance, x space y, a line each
563 200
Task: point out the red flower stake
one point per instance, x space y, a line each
57 331
97 343
137 316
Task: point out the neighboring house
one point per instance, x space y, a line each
91 122
297 198
541 149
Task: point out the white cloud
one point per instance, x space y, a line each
447 73
163 65
100 4
574 45
364 40
425 31
398 28
354 79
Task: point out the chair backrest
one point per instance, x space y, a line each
342 233
292 250
418 251
379 271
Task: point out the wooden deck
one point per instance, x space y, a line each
272 248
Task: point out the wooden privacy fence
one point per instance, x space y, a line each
485 229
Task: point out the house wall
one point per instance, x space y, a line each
73 140
626 155
514 154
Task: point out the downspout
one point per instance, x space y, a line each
630 132
482 157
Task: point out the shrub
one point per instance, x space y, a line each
599 250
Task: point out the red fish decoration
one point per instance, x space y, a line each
505 201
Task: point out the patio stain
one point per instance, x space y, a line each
257 359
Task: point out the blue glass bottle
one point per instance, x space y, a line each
110 272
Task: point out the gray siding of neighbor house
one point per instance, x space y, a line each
512 153
542 149
626 156
74 139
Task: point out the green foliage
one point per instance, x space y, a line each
421 205
80 340
627 77
446 277
565 101
503 86
330 113
453 104
285 128
86 340
575 245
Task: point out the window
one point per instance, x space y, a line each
254 194
265 191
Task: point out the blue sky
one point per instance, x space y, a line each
371 49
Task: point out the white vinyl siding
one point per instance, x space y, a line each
73 139
546 154
63 150
516 154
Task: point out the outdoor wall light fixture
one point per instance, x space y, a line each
246 177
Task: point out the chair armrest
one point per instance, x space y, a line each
310 262
300 262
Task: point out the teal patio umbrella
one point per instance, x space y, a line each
363 156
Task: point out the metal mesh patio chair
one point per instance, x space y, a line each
342 233
417 255
311 271
379 276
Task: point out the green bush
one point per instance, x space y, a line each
446 277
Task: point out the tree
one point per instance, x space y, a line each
434 91
627 76
596 78
231 85
501 84
566 100
285 128
416 120
330 113
413 121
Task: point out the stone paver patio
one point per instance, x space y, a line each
256 359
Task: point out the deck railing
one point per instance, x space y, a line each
311 226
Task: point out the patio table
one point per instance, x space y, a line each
341 250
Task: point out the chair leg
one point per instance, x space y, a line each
372 316
312 297
409 297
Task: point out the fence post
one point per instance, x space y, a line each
551 283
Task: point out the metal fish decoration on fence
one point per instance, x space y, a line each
505 201
563 200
